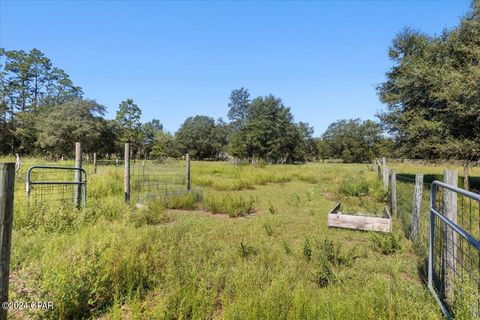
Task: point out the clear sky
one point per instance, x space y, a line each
179 59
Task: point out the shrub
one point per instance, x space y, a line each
324 273
152 215
234 206
186 201
386 243
354 188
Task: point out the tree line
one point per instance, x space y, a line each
43 113
431 94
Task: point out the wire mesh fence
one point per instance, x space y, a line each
455 261
157 179
405 207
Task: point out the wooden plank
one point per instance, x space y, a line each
359 222
7 180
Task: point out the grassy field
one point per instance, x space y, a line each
254 245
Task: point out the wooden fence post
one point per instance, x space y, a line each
417 206
78 174
450 247
7 180
385 173
379 169
95 163
127 173
187 158
393 192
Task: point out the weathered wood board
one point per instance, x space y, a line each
339 220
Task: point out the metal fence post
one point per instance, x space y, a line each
7 180
187 158
127 173
417 206
431 240
78 174
95 163
393 192
450 247
143 173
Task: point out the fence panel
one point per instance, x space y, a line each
454 250
56 184
157 179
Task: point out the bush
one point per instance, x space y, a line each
151 215
385 243
187 201
234 206
354 188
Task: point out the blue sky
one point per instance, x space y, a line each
179 59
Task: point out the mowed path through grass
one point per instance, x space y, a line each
280 262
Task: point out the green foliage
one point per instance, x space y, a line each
188 201
234 206
238 107
354 187
353 140
385 243
78 120
269 133
151 215
431 92
201 138
128 120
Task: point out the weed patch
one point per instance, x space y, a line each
234 206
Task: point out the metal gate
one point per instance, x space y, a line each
454 250
57 184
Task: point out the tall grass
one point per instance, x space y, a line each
115 261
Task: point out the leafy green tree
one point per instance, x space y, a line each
60 127
354 140
432 94
201 138
128 121
149 135
238 107
165 146
270 133
321 149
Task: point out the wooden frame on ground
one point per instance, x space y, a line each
367 223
